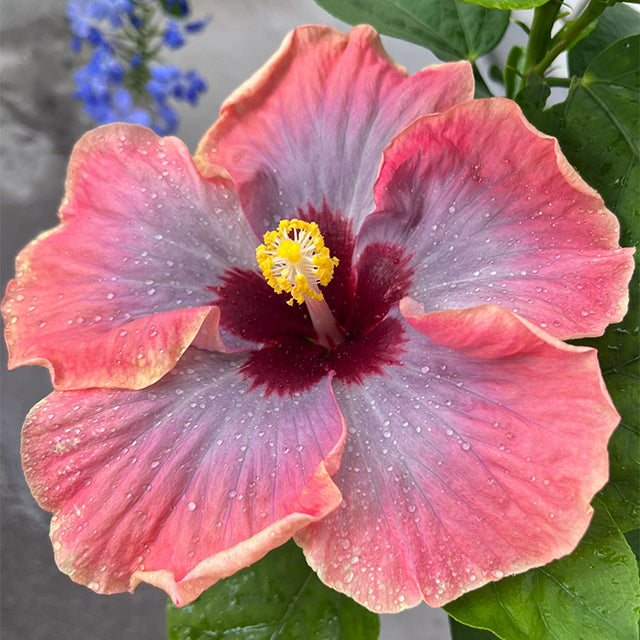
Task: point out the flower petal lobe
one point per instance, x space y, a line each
474 459
184 482
310 126
494 214
116 293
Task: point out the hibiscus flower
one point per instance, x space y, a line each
341 321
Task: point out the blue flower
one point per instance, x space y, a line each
163 77
113 10
170 81
124 110
195 86
104 67
173 37
136 60
84 16
196 26
96 82
79 17
167 121
111 85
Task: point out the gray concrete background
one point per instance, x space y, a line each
39 124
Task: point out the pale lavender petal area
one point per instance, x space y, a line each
116 293
308 129
475 458
184 482
492 213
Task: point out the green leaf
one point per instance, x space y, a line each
175 8
277 598
599 132
620 360
592 594
453 30
614 23
509 4
597 127
461 631
633 539
621 492
513 70
532 99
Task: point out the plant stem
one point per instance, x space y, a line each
558 82
593 10
544 17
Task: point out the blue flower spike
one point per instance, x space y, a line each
125 80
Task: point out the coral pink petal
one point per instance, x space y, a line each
494 214
475 459
182 483
116 293
310 126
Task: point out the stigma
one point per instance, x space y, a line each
295 260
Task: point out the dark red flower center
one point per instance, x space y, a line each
360 296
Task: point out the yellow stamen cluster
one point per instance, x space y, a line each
294 260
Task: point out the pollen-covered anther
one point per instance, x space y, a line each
294 260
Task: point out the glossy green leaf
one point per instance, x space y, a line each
532 99
619 354
461 631
599 130
513 70
453 30
621 492
507 5
633 539
614 23
277 598
592 594
597 127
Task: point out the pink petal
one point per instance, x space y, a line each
182 483
475 459
493 213
116 293
310 126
